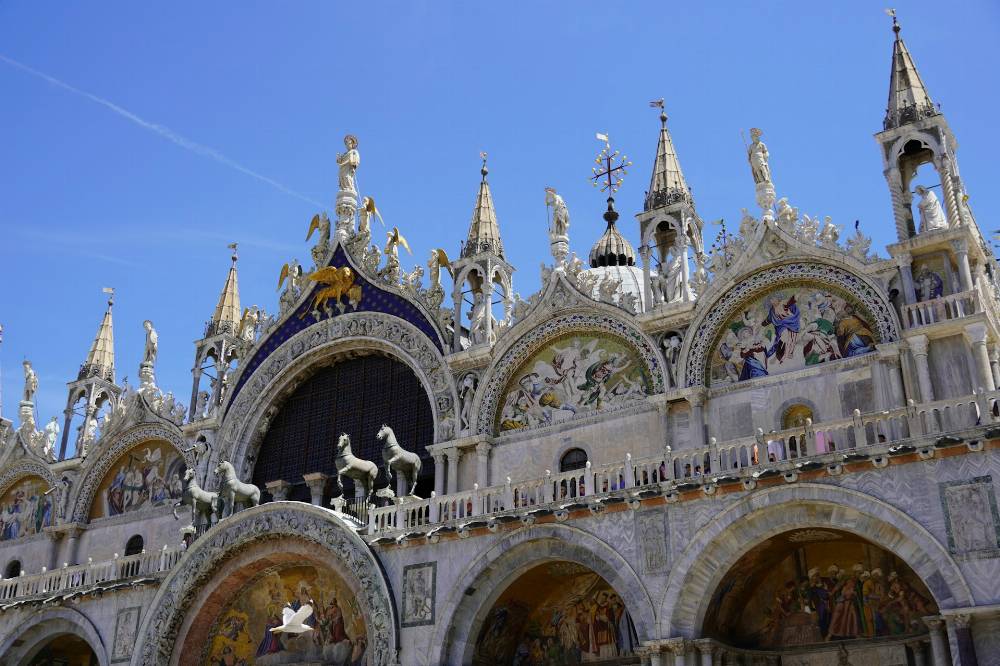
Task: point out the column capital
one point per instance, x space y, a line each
994 351
960 245
916 644
959 620
696 397
904 259
676 646
888 351
706 646
483 449
918 344
934 622
314 477
976 333
278 489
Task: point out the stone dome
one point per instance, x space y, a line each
612 249
630 277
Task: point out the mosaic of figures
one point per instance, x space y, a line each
556 614
151 474
25 509
572 375
789 329
814 586
241 635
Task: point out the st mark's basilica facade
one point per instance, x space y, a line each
777 448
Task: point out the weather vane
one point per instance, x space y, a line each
611 167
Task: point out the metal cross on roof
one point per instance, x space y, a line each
611 168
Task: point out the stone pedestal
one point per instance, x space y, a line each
766 197
147 380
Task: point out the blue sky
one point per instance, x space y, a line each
90 199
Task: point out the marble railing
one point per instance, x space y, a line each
82 577
940 309
811 446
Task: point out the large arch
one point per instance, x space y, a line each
713 314
96 469
486 578
718 545
541 329
243 545
45 625
350 333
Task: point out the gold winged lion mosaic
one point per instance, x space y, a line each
337 283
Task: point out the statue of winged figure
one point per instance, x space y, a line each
394 240
292 272
439 259
368 211
320 222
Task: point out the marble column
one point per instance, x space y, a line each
939 643
960 628
678 647
918 347
901 211
453 456
278 489
906 279
439 459
917 648
73 544
707 648
976 334
647 285
317 484
995 363
961 247
483 464
696 425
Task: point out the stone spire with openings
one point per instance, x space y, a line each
101 357
226 317
667 185
484 234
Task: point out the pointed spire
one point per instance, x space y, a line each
484 234
667 185
908 98
227 312
101 357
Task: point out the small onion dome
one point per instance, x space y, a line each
612 249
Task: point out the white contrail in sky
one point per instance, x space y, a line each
165 132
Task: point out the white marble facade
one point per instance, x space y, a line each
606 472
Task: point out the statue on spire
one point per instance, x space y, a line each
761 169
558 226
347 196
30 382
147 380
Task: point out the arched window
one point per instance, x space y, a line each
13 569
573 459
133 546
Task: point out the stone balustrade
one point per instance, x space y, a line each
82 577
870 436
941 309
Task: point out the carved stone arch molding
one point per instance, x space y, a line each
260 535
544 331
715 548
489 575
697 348
351 332
95 469
29 637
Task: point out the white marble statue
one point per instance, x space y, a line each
232 490
478 318
748 223
152 343
248 325
466 394
30 382
559 228
348 163
758 156
672 354
51 435
398 459
203 503
931 214
829 235
368 212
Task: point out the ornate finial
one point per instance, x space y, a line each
612 168
232 246
658 104
484 170
110 291
895 24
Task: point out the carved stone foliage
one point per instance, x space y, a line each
718 313
370 330
159 631
542 334
98 467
